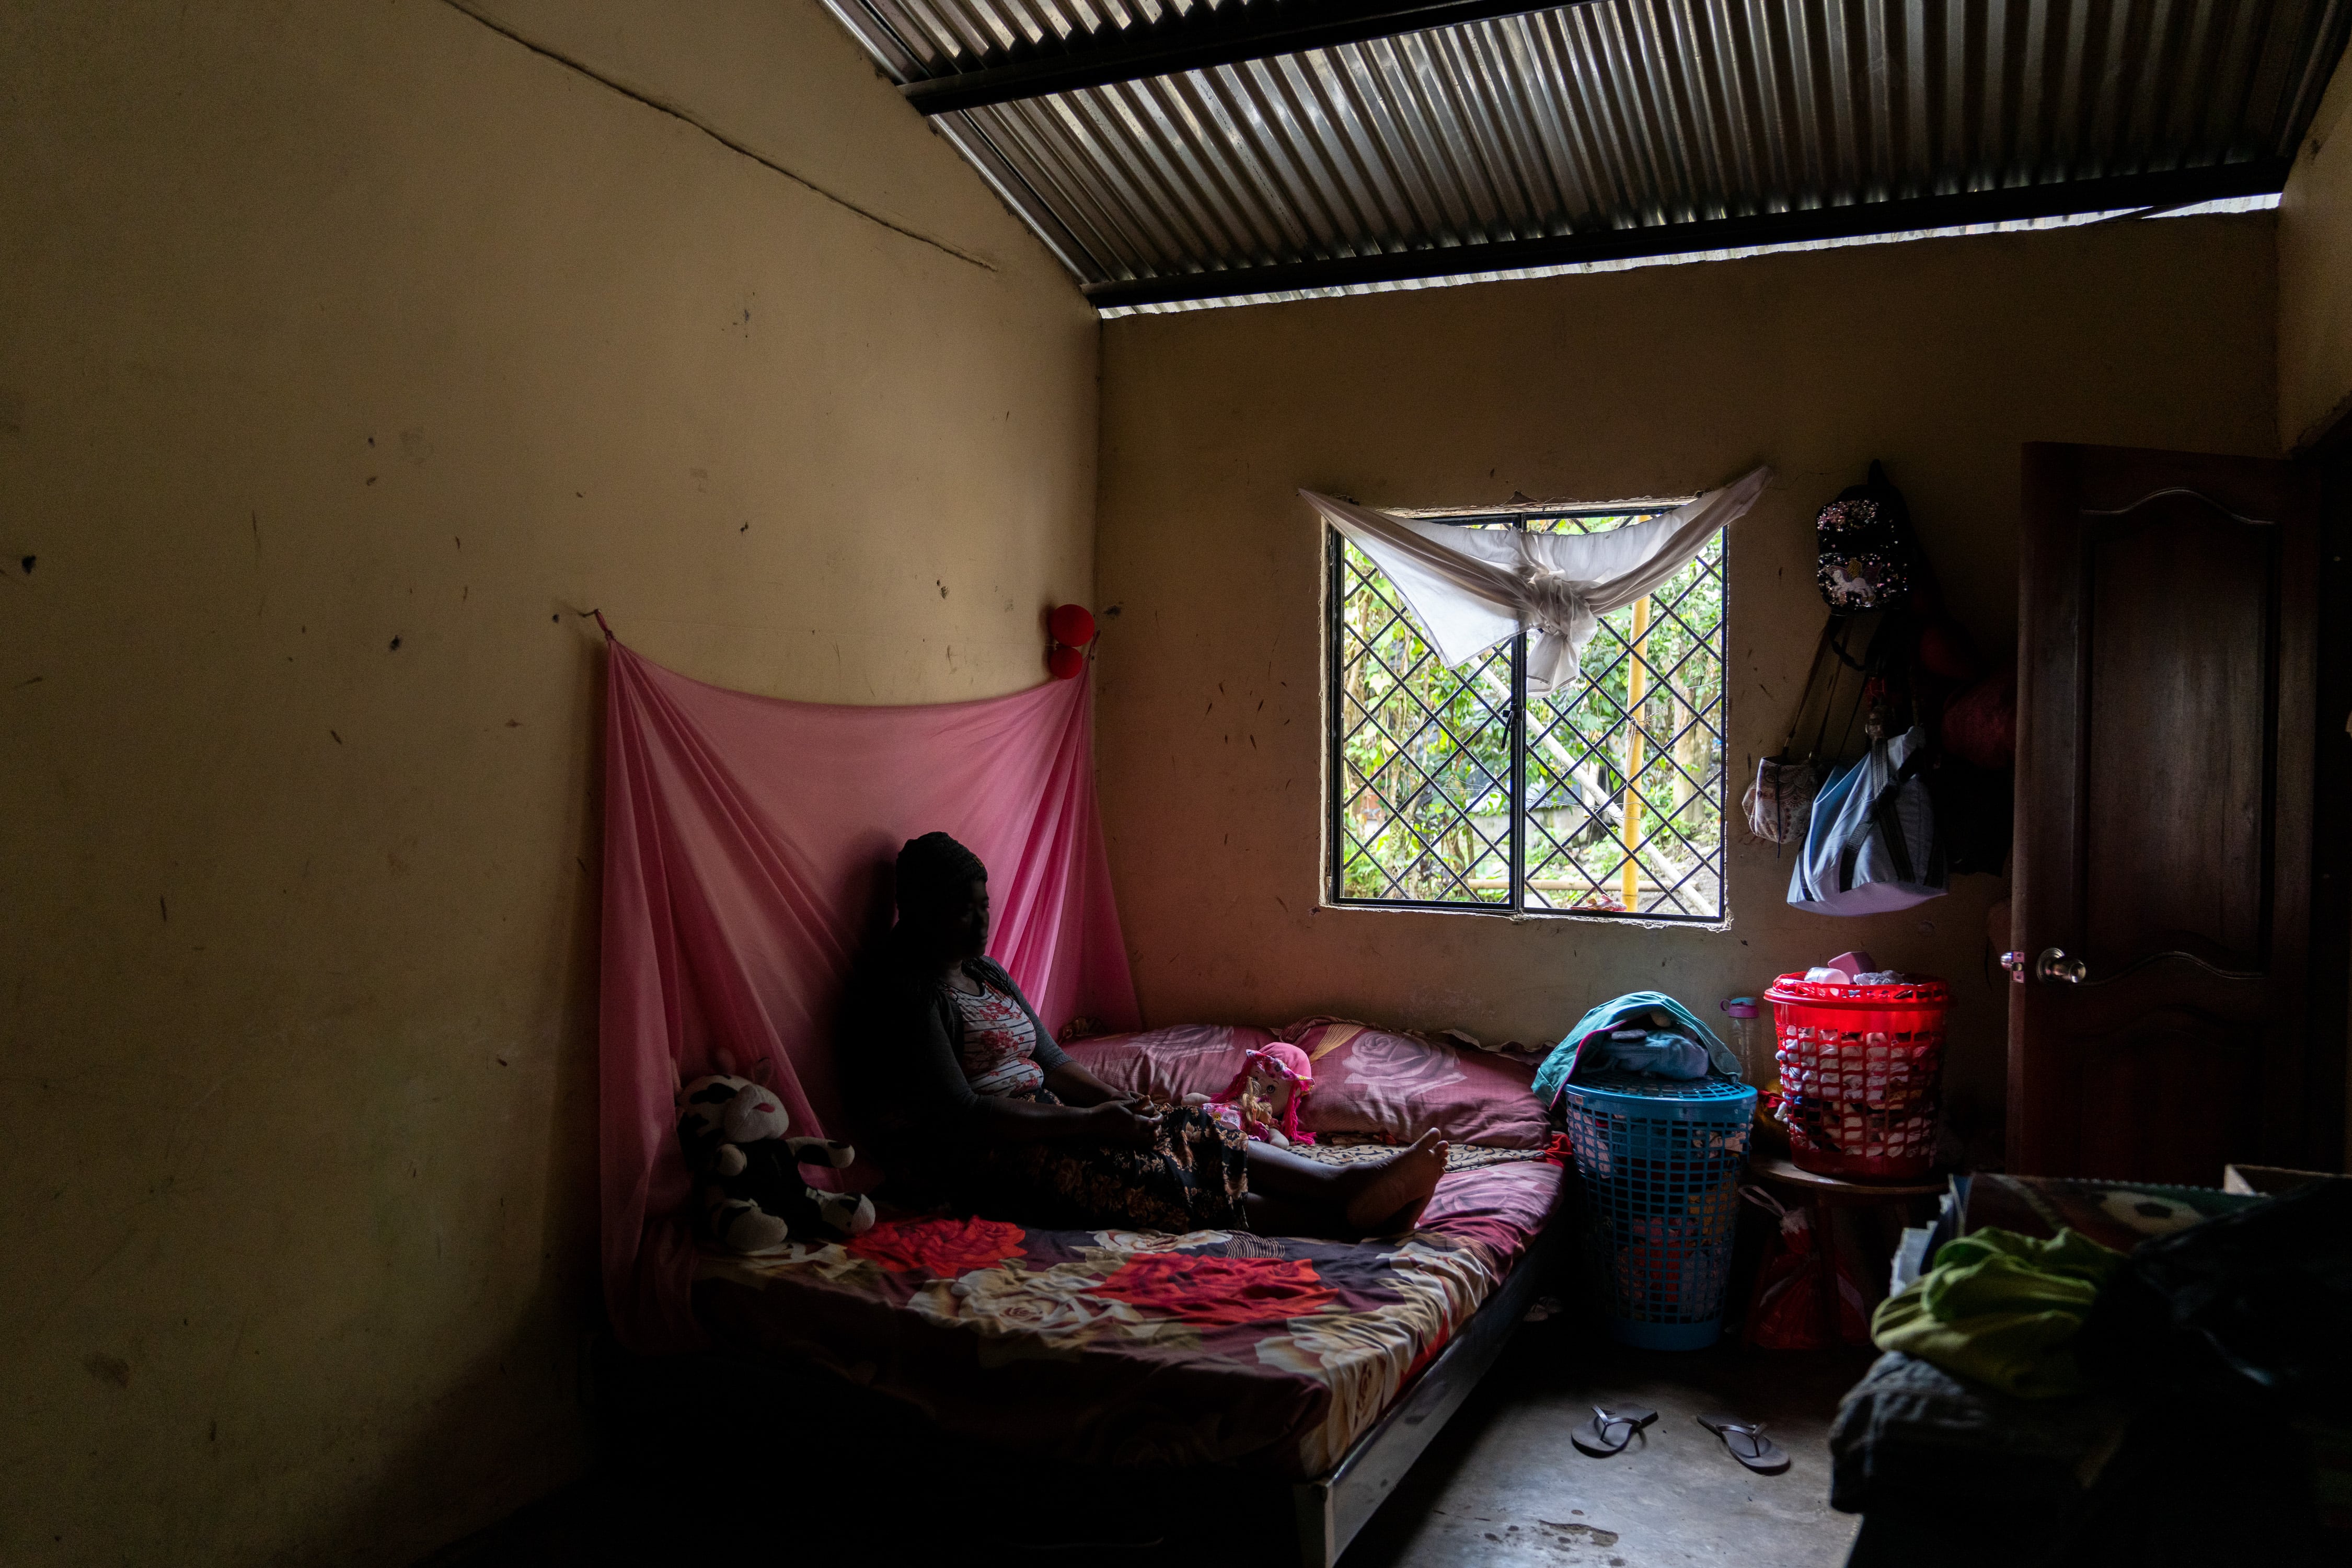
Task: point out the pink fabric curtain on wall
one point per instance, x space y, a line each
747 844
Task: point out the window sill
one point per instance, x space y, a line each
1535 917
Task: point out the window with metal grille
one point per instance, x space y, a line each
1452 788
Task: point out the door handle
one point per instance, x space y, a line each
2055 967
2052 966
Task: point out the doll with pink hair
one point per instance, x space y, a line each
1263 1100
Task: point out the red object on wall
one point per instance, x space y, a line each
1946 650
1068 629
1980 725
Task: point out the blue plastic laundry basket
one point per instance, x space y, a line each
1657 1165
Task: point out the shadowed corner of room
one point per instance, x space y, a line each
434 1475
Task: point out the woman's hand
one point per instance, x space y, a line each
1116 1123
1074 1085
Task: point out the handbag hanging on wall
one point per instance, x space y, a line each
1874 845
1779 803
1877 580
1778 806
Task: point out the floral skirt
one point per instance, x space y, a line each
1192 1177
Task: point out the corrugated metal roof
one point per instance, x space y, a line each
1601 118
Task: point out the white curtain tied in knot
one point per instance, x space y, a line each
1469 588
1557 605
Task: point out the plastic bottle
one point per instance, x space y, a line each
1755 1065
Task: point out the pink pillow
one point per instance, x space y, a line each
1370 1080
1170 1063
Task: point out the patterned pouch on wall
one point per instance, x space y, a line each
1779 803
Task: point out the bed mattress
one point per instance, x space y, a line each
1132 1348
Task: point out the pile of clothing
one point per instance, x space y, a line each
2182 1403
2003 1308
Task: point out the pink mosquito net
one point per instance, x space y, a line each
747 844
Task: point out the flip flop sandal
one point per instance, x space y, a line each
1748 1444
1610 1430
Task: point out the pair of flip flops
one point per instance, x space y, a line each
1610 1431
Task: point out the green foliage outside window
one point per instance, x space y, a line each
1425 754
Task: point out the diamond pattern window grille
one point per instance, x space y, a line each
1455 789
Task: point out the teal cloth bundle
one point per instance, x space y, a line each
1558 1065
2001 1309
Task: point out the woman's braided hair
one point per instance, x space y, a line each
935 871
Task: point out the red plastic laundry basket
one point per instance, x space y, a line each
1860 1072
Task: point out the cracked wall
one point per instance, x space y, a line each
349 351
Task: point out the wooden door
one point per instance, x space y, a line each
2161 910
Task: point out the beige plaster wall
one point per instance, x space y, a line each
1939 357
347 350
2315 290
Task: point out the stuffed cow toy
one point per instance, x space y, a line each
747 1171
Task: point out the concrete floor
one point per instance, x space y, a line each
1503 1485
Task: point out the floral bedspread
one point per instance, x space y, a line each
1131 1348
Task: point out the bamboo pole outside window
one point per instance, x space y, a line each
1637 686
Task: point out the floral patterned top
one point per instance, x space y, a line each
917 1055
999 1047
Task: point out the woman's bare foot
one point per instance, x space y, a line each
1394 1191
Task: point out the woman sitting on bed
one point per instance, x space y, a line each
971 1097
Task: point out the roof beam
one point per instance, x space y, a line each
1195 41
2165 188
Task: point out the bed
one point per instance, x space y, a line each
1323 1365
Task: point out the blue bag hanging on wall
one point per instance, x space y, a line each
1872 845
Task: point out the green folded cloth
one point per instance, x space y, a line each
2003 1308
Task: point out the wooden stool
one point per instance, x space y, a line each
1819 1194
